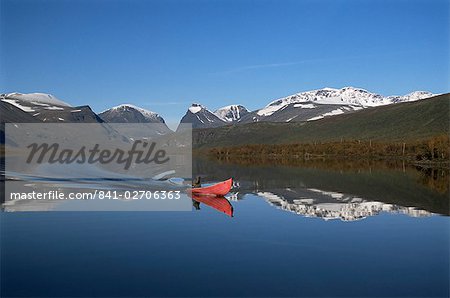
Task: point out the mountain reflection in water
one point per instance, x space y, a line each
346 208
332 190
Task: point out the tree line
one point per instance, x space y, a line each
435 149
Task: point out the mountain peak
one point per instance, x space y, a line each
352 97
129 113
196 107
416 95
131 106
200 117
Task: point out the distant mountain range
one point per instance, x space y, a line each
301 107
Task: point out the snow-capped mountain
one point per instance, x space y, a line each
321 103
128 113
150 123
47 108
346 95
231 113
200 117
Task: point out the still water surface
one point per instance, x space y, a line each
308 231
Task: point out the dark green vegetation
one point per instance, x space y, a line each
434 150
416 131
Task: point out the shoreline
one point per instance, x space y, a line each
276 159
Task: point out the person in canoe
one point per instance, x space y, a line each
219 189
197 182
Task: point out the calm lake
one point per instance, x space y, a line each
319 230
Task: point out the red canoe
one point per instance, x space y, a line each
218 189
219 203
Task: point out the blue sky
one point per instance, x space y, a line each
164 55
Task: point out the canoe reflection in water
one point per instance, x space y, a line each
221 204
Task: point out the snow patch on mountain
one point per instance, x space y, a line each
231 113
195 108
269 110
40 104
54 108
18 105
304 106
290 119
332 113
